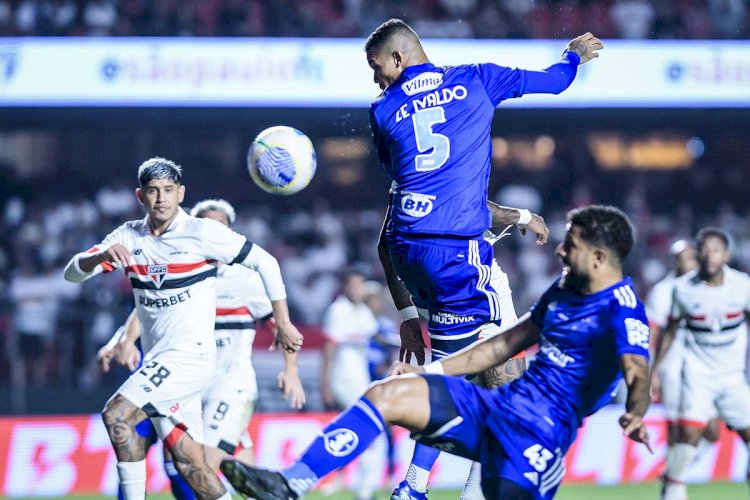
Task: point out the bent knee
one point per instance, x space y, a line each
119 409
396 396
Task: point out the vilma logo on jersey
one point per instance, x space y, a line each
340 442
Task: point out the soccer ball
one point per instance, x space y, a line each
281 160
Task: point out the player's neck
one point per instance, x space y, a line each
712 280
602 281
159 228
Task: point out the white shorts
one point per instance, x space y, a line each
499 281
168 388
703 395
670 374
228 405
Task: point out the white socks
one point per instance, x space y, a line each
679 459
417 478
473 487
133 479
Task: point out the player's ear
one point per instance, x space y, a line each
398 58
181 192
599 256
140 195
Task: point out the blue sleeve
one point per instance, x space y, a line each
539 309
380 146
554 79
500 82
631 330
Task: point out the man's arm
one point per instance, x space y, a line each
412 342
507 216
635 372
126 352
485 354
270 273
85 265
289 382
559 76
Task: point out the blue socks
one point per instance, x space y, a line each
342 440
180 488
424 457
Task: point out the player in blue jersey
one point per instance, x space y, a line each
431 127
592 331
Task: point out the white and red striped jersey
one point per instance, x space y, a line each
714 319
174 279
241 300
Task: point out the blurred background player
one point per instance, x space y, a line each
431 128
666 385
591 328
170 258
713 301
349 325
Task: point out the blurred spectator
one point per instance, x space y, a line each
725 19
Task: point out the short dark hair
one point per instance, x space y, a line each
159 168
385 31
711 231
605 226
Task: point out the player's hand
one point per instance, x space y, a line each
291 389
104 357
635 429
586 46
288 337
412 341
127 354
400 368
538 226
118 254
655 390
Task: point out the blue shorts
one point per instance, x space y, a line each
146 430
451 278
513 435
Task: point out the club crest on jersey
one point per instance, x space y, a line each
340 442
422 83
157 272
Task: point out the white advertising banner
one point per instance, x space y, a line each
280 72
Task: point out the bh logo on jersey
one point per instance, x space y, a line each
340 442
157 272
417 205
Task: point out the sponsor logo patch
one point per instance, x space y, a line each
422 83
340 442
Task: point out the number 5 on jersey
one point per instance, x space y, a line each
427 139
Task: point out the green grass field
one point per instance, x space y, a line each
711 491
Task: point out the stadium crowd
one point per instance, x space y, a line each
665 19
59 326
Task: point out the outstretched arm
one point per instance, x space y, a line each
559 76
635 371
483 355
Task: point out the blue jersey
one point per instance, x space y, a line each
432 133
581 340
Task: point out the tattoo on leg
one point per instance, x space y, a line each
192 465
503 374
120 419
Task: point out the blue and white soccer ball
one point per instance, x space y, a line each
281 160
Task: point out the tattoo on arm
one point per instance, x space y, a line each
503 374
503 216
578 46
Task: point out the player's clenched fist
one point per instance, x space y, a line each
586 46
288 337
400 368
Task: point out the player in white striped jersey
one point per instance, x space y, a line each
170 258
714 303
